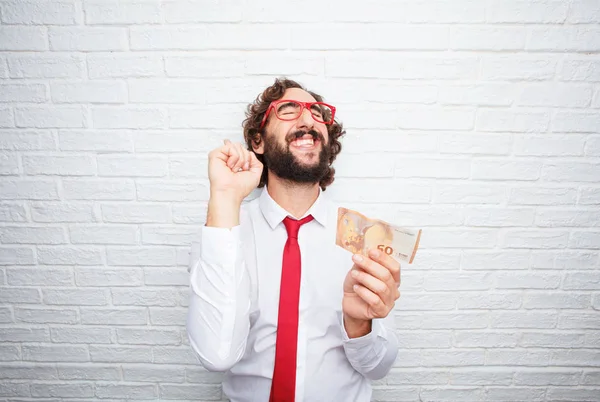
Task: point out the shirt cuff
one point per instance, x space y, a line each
220 245
377 329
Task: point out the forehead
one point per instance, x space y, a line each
298 94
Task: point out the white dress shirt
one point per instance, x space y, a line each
234 300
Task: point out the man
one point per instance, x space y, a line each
273 301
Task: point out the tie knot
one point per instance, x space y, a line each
293 226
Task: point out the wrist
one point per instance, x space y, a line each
355 328
223 209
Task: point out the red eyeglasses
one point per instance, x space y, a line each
288 110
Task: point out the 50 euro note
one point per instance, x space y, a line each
359 234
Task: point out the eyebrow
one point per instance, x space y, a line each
285 104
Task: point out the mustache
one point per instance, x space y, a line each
298 134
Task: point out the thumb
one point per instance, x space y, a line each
255 164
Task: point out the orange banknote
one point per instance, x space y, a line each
359 234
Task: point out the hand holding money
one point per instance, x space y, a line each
359 234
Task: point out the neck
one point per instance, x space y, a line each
295 198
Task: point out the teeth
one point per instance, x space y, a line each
302 142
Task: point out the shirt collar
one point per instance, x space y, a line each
274 213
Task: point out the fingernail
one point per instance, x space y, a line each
357 257
246 166
355 287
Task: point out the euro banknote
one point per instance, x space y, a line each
359 234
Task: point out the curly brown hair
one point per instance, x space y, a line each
256 111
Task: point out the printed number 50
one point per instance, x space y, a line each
386 249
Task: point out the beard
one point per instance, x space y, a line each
282 162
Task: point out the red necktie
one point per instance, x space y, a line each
283 387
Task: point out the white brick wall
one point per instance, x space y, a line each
477 120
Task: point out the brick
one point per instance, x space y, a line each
564 260
94 189
442 358
520 319
34 93
39 276
564 38
429 301
59 165
482 94
489 301
95 372
174 190
88 39
62 255
567 218
95 140
63 212
580 69
572 394
43 65
591 378
543 196
518 357
574 357
152 373
171 91
20 38
177 12
201 37
549 145
108 277
576 122
494 217
420 167
396 394
221 66
26 140
55 353
589 196
520 280
128 117
566 300
24 334
389 65
587 240
14 389
582 280
134 297
481 376
5 315
430 259
519 11
446 281
121 316
485 339
556 95
174 355
551 340
421 339
142 256
545 239
116 65
126 391
167 316
435 119
62 390
579 320
168 235
584 12
22 371
188 167
89 92
206 117
50 117
7 118
514 393
592 146
19 295
146 12
81 297
487 38
136 166
39 13
176 141
46 315
148 337
135 213
9 353
9 164
417 376
81 335
121 354
208 392
203 376
508 68
105 234
505 170
363 36
16 256
497 120
451 238
443 321
468 194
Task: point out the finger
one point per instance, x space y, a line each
373 284
234 156
242 160
255 164
388 262
373 268
377 307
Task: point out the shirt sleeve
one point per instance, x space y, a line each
218 315
373 354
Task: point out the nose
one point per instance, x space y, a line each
306 120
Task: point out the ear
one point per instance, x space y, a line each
258 145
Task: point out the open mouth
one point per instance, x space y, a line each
305 142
